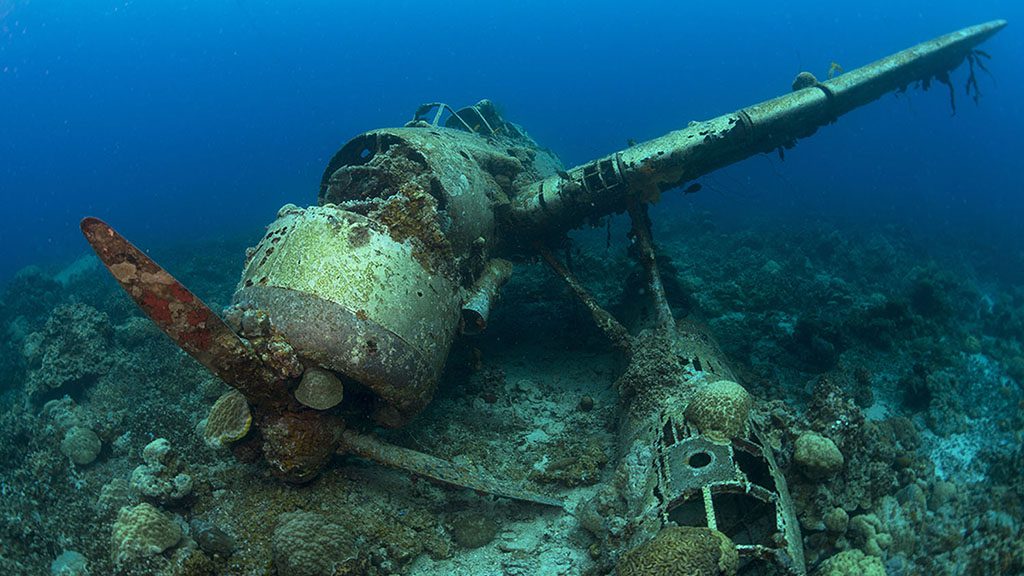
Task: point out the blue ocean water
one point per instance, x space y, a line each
865 292
195 119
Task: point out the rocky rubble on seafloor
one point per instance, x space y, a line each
889 369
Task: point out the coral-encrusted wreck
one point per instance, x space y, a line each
346 311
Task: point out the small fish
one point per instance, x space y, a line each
630 143
695 187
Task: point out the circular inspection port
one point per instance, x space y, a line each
699 460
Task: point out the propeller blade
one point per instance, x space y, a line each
180 314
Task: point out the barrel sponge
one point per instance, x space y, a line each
141 531
817 456
720 410
851 563
307 544
682 551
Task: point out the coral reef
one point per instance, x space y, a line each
896 350
229 419
319 389
72 350
817 456
851 563
213 540
162 477
81 445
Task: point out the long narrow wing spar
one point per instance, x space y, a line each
607 185
179 313
436 469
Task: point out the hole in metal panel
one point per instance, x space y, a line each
689 513
755 469
744 518
668 436
699 460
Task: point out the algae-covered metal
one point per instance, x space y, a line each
483 296
678 468
353 300
647 169
296 442
404 249
678 475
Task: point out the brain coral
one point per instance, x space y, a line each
851 563
142 531
720 410
817 455
682 551
307 544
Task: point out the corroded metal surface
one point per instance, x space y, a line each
692 463
642 172
466 177
477 307
644 253
180 314
402 379
671 474
351 299
410 220
735 488
297 444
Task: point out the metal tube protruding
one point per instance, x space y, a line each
485 292
641 172
616 333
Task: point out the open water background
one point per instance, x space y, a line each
196 119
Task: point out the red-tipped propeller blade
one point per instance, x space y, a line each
179 313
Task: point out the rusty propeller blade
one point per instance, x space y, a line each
179 313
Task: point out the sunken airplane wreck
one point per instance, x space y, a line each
346 310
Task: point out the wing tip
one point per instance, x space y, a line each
90 225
